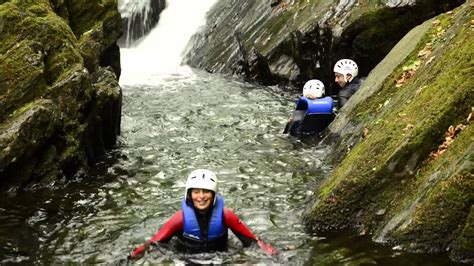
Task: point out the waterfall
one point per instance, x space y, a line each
139 16
160 52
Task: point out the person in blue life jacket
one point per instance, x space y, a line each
345 72
202 223
313 111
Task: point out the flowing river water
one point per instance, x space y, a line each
186 120
173 122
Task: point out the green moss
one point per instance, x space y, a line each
10 15
447 205
71 142
21 74
463 246
41 58
84 14
21 110
51 35
405 124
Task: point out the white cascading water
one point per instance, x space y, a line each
160 52
130 8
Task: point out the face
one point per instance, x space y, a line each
202 199
340 79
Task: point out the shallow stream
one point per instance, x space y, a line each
179 122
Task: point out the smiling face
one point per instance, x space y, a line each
339 78
202 199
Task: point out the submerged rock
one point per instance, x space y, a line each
50 54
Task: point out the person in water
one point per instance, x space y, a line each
202 223
313 111
346 71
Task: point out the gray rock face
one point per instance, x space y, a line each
300 40
29 131
139 18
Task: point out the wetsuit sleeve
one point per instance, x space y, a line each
344 95
243 232
348 91
169 229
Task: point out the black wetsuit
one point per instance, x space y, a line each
349 90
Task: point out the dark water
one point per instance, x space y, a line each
181 122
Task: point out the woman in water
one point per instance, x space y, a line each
202 223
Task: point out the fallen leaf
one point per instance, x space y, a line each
429 60
470 115
419 90
408 127
427 50
450 135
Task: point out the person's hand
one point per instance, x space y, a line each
290 118
267 247
139 251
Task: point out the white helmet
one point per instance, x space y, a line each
313 89
346 66
201 178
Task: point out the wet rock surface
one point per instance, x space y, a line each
139 18
398 150
385 137
300 40
50 54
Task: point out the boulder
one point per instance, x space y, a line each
54 59
404 146
301 40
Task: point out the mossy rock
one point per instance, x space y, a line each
463 246
301 40
386 179
21 76
97 25
45 76
27 131
103 121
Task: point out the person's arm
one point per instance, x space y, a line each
243 232
173 225
343 97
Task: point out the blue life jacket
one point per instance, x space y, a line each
216 227
311 116
316 106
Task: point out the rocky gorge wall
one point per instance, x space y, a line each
60 102
292 41
402 145
139 17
